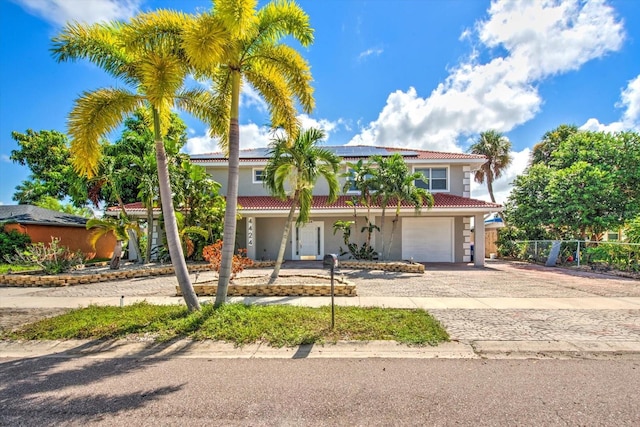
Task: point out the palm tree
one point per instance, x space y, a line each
120 228
255 54
405 189
497 149
152 55
360 177
300 165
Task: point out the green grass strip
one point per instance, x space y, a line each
276 325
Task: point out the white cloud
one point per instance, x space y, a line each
501 93
86 11
502 186
630 101
5 159
375 51
254 136
595 126
327 126
249 97
251 136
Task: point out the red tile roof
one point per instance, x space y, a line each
441 200
268 203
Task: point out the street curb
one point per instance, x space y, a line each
340 350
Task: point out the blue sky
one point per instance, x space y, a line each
422 74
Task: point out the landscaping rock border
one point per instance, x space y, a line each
78 277
397 266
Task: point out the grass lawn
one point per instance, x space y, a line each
276 325
5 268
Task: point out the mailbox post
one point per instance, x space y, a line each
330 262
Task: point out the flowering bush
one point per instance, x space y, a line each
213 254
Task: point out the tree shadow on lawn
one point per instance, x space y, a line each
55 388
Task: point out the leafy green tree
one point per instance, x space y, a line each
299 165
584 199
497 149
202 204
528 207
46 154
152 54
54 204
134 165
588 183
254 53
542 152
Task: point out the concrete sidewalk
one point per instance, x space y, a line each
427 303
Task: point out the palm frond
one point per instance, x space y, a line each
200 103
306 200
156 31
279 19
94 115
238 16
100 44
206 41
289 64
273 87
161 77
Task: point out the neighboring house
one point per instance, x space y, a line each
439 234
41 225
491 227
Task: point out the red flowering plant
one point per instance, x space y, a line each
213 254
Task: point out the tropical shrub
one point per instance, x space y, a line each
12 241
616 256
365 251
507 247
53 258
213 254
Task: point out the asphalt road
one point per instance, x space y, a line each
342 392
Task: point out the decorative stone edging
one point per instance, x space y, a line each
405 267
27 280
312 290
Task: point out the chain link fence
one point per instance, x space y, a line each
599 255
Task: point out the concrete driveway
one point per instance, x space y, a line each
504 301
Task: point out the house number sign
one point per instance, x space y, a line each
250 232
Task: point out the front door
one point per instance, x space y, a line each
309 242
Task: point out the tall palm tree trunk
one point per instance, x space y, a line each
285 237
147 255
382 232
171 227
393 231
490 188
229 234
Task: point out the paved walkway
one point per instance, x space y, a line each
504 302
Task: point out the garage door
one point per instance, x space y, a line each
427 239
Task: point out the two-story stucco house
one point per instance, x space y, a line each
439 234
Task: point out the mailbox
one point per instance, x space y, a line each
330 261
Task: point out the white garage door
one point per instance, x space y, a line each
427 239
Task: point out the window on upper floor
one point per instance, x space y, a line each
352 186
436 179
258 176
